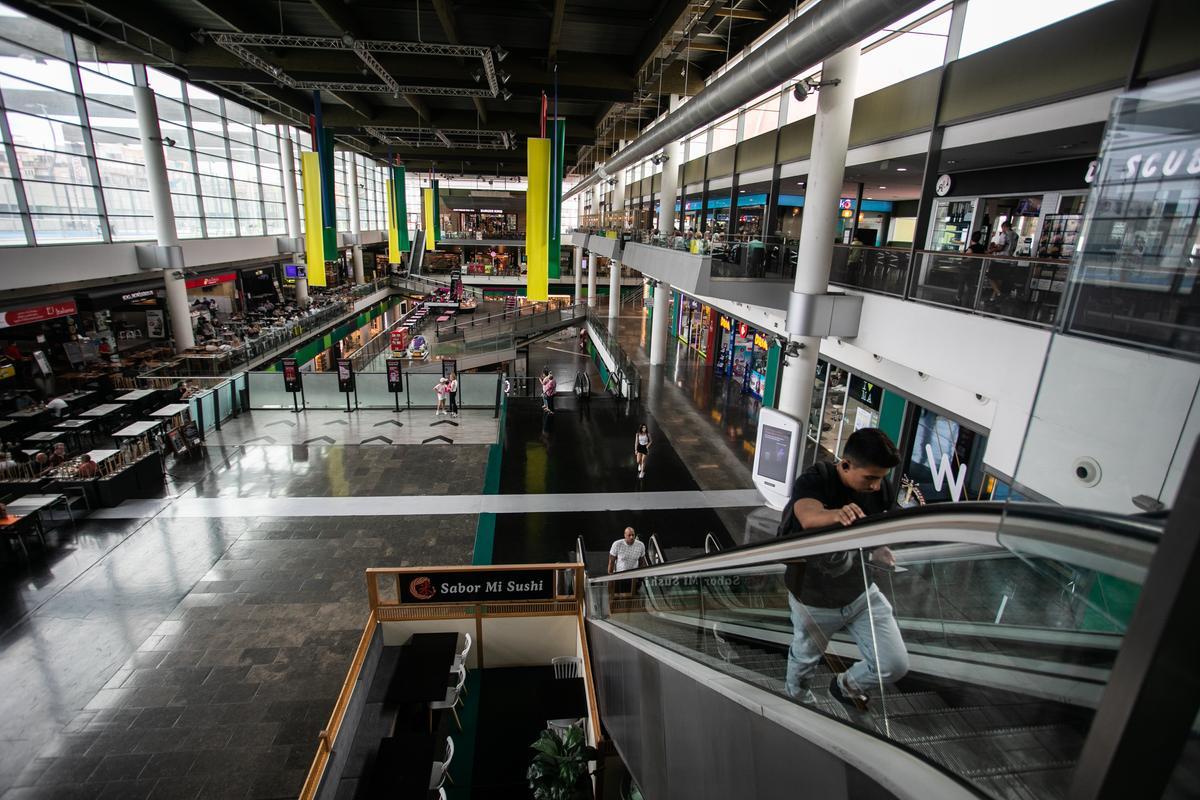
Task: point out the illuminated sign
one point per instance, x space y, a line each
210 280
478 586
725 323
761 341
140 295
24 316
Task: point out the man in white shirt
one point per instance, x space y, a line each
1005 241
625 554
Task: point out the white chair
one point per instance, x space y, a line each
451 701
567 666
442 793
460 660
561 726
441 770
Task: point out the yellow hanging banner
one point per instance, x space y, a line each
393 229
314 239
430 217
537 220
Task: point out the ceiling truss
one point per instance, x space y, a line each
239 44
453 138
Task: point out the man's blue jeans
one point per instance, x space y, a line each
884 657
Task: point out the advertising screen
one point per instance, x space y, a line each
345 368
773 462
291 375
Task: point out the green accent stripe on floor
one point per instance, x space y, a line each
485 530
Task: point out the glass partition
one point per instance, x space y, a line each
321 391
266 390
987 663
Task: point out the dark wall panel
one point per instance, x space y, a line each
720 163
683 741
757 152
693 171
795 140
896 110
1079 55
1171 46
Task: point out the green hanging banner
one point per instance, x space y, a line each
557 157
401 208
329 204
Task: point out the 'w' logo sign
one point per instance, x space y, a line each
943 472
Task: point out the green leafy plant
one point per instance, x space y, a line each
560 765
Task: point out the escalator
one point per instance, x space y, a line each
1011 618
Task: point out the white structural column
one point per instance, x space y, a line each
592 268
658 324
577 270
670 180
617 217
164 217
831 136
355 222
614 289
291 201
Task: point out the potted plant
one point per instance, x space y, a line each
559 770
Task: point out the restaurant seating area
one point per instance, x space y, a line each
430 727
94 449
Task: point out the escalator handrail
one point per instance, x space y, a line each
1103 541
711 545
655 550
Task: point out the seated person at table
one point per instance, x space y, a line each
58 406
87 467
6 463
59 455
41 462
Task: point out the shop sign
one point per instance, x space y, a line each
25 316
725 323
477 586
944 473
761 341
845 203
210 280
1170 160
449 367
294 271
743 330
139 295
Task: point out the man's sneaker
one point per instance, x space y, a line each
850 699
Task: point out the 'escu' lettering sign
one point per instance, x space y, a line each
477 586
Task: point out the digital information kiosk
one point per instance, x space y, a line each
776 453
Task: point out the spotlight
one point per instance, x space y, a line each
800 92
506 94
168 141
477 75
504 77
808 85
500 52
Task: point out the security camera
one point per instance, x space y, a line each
808 85
169 142
1087 471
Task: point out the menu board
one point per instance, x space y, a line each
345 369
291 376
395 375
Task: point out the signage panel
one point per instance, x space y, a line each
210 280
477 586
345 368
25 316
449 365
395 375
291 375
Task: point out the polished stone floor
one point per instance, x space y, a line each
192 645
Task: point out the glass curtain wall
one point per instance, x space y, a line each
72 169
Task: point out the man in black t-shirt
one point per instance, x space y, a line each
833 592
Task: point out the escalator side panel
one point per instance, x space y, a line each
686 731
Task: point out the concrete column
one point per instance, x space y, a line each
577 269
591 297
658 324
614 289
291 201
355 223
164 215
670 180
831 135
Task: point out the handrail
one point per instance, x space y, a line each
656 554
711 545
579 554
1060 262
1117 545
329 734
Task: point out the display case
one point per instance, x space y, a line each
951 230
1060 236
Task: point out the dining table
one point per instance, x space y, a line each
404 764
563 698
423 673
103 410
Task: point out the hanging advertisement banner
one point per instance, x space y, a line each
314 237
537 219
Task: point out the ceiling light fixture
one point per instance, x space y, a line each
506 94
500 52
504 77
901 169
477 75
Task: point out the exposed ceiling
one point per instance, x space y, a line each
451 84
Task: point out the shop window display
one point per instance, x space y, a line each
945 461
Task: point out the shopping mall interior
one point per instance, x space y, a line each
543 399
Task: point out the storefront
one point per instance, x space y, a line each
217 292
746 356
127 319
261 285
694 325
45 335
693 202
941 456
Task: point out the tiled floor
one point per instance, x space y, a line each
317 428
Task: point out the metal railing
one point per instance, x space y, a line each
625 372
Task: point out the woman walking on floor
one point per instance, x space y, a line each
641 448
